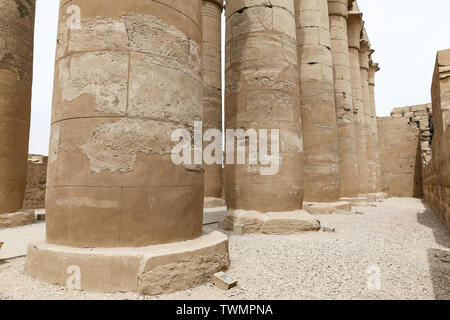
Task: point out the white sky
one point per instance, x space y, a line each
405 34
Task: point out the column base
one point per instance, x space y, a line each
149 270
319 208
17 219
242 221
214 203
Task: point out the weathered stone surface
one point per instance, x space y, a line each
322 177
371 142
111 181
262 92
348 156
212 87
373 127
355 27
436 173
17 219
16 63
214 203
270 222
318 208
401 167
149 270
124 83
36 182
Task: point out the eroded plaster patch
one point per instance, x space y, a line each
114 146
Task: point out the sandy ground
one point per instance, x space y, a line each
394 251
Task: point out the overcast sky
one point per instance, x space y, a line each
405 34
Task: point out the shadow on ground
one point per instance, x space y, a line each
438 259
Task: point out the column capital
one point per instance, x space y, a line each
339 7
355 27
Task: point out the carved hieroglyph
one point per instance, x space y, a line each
338 14
16 63
212 86
322 177
262 92
124 82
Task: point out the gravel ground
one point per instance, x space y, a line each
401 238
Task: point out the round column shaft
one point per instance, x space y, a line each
368 121
373 68
322 177
262 93
16 74
124 82
355 25
348 157
212 87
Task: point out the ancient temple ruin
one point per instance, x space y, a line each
132 73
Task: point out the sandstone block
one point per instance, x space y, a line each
318 208
16 219
272 222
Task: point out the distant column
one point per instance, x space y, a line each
16 74
368 114
373 68
318 106
338 14
212 86
355 25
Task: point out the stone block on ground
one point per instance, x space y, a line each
319 208
17 219
271 222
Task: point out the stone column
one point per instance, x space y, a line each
338 14
368 121
373 68
128 86
262 93
318 107
355 25
16 74
212 90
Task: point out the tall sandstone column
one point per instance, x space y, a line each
355 25
212 86
373 68
348 156
318 106
124 82
262 92
368 121
16 73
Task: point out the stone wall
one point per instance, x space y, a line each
437 172
36 182
403 138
